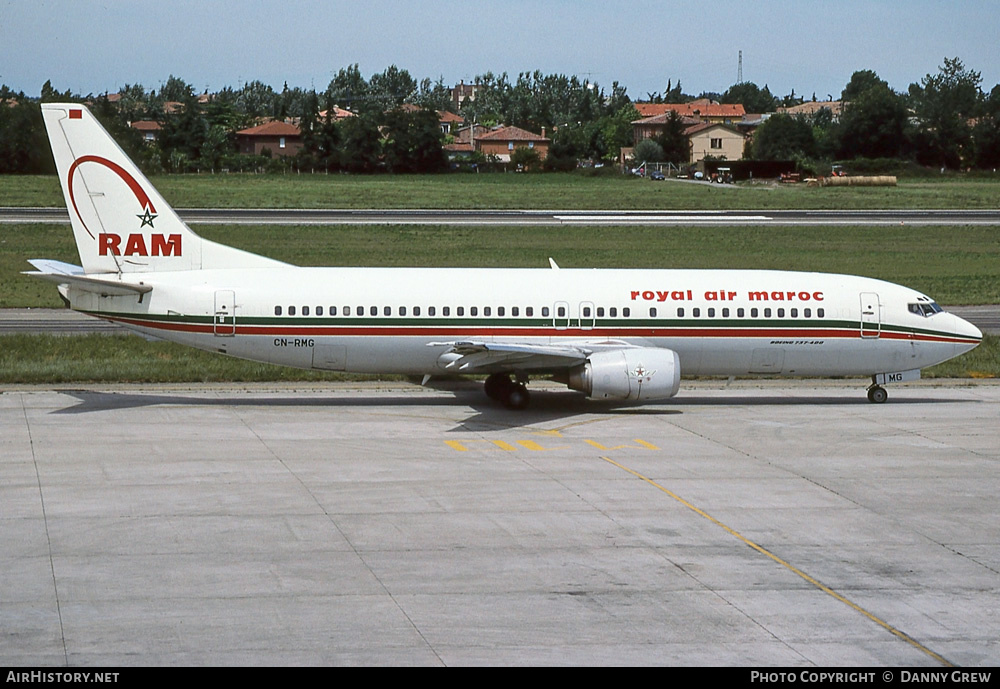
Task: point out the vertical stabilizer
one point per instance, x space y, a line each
120 222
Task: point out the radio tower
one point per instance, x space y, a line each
739 70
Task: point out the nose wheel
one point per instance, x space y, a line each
877 394
513 394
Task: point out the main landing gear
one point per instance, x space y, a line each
877 393
512 393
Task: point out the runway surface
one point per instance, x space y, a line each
754 524
247 216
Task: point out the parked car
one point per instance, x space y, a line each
657 176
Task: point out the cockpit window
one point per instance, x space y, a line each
925 309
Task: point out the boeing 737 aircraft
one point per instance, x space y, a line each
612 334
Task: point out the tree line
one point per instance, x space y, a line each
944 120
200 133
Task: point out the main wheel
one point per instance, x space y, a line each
496 384
517 397
877 394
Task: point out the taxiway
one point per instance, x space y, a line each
759 523
337 216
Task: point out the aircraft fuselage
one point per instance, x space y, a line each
720 322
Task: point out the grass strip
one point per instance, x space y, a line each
512 191
955 265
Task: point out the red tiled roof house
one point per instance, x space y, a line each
148 128
716 140
702 109
280 138
503 141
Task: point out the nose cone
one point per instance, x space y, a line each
966 331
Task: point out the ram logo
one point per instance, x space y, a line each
135 245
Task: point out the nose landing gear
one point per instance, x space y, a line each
877 393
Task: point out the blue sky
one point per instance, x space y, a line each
92 46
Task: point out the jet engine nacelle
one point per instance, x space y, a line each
641 373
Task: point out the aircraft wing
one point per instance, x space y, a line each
486 357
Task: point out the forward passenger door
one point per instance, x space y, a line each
871 315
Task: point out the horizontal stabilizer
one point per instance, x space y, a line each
47 265
71 275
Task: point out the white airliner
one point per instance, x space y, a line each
612 334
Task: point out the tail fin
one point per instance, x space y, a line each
120 222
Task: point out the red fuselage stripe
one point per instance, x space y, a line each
480 331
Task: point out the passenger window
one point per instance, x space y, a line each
500 311
586 312
613 312
754 312
291 310
626 312
767 313
545 311
529 311
740 312
820 313
515 311
807 312
305 310
561 312
360 311
373 310
387 311
319 310
680 312
600 312
445 310
794 313
460 311
725 313
487 311
277 310
347 310
333 310
711 313
474 311
696 312
652 312
781 313
402 310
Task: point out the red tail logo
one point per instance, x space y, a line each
145 204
